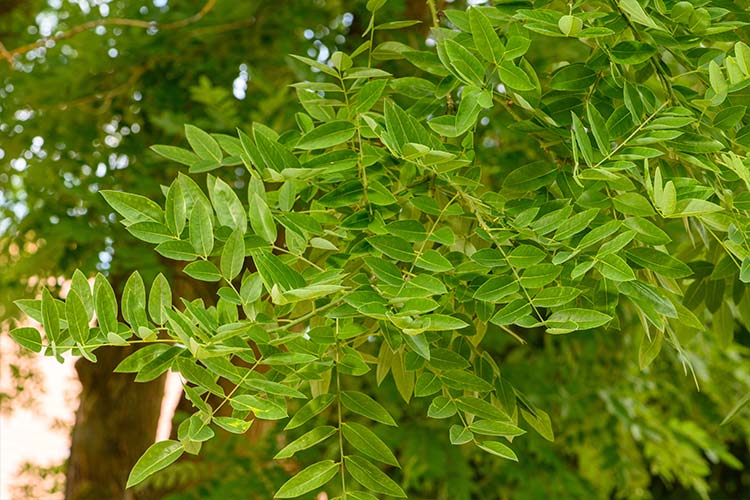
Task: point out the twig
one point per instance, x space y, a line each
5 54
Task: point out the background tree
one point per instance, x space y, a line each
588 457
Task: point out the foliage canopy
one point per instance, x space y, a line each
386 237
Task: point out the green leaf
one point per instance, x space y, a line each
540 422
463 380
393 246
273 271
575 224
549 221
308 479
80 284
367 442
150 232
570 25
636 13
555 296
50 317
667 200
289 358
261 219
233 255
134 302
729 117
157 457
481 408
487 42
499 449
633 204
371 477
229 209
327 135
310 410
630 52
575 77
511 312
524 256
649 349
599 233
364 405
177 250
495 428
598 128
659 262
693 207
460 435
576 319
431 260
745 270
495 289
203 144
174 153
105 304
159 298
77 317
28 337
582 140
426 385
203 270
198 375
441 322
373 5
233 425
514 77
742 402
539 275
369 94
648 297
140 358
202 229
615 268
270 387
133 207
441 407
307 440
464 63
266 409
716 78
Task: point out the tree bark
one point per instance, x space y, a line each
115 422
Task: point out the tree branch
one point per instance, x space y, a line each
135 23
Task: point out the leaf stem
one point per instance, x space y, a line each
338 405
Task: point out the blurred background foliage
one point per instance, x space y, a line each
77 116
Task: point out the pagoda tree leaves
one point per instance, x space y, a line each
417 228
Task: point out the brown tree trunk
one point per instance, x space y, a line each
115 422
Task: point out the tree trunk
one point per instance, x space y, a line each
115 422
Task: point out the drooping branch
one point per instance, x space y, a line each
9 55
